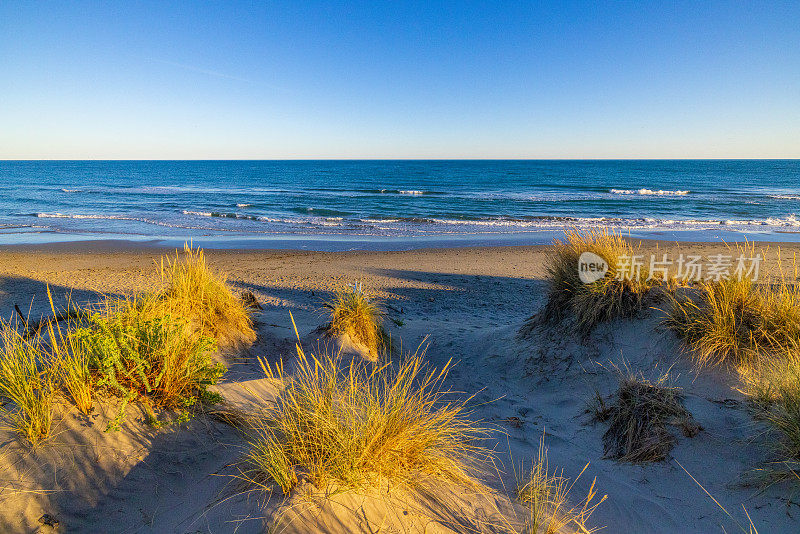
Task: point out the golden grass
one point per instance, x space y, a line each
69 359
600 301
736 321
355 423
26 384
774 383
547 497
754 328
357 314
202 297
638 416
70 366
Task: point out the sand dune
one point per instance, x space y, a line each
471 303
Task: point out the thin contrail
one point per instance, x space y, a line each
201 70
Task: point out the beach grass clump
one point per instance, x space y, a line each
754 328
638 416
357 314
202 297
70 364
354 423
774 383
68 358
617 294
126 348
547 497
26 384
736 321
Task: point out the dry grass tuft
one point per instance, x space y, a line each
754 328
736 321
25 383
597 302
352 424
774 383
195 293
546 495
638 416
357 314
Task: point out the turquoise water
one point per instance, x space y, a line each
394 204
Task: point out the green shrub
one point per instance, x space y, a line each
137 355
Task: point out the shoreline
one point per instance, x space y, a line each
357 243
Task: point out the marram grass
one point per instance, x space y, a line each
755 329
25 384
355 313
69 359
547 497
201 296
774 383
355 423
736 321
600 301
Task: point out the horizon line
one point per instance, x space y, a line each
413 159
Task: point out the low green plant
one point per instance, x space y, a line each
139 355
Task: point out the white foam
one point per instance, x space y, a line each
57 215
198 213
659 192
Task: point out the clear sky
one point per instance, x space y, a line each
486 79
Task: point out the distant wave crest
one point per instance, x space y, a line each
317 221
659 192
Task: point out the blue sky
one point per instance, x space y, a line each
399 79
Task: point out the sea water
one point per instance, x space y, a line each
395 204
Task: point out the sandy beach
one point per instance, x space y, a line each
470 303
399 268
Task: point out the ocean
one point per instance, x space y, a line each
341 205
